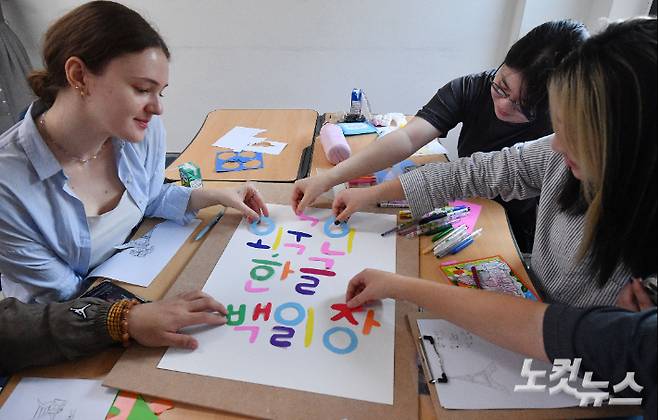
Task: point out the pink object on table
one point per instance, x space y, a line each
471 218
334 144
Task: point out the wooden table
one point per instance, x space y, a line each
496 239
357 144
293 126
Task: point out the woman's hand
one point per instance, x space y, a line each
156 324
351 200
306 191
370 285
633 297
246 199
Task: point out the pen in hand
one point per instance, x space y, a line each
210 224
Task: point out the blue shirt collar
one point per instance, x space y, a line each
42 159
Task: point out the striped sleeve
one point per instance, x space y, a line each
512 173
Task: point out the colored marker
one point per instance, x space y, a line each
476 277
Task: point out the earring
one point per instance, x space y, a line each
82 92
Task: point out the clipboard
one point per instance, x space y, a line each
137 370
503 414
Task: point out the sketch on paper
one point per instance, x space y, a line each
484 377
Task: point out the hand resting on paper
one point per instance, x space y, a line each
246 199
371 285
306 191
349 201
156 324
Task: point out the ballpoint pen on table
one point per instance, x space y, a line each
210 224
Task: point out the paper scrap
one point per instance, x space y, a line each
431 148
238 138
131 406
46 398
471 218
143 260
268 146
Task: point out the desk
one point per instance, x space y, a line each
356 143
496 239
293 126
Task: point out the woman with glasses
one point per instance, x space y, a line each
498 108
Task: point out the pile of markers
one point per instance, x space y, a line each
362 181
449 235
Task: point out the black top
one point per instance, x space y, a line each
468 100
611 341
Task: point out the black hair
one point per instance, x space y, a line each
537 54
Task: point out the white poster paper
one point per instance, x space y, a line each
141 260
53 399
482 375
284 281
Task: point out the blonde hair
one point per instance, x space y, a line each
581 96
606 95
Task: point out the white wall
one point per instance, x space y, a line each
311 53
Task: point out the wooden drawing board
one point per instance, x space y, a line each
137 370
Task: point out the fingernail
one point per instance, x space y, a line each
336 222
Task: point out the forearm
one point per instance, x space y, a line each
512 173
378 155
35 334
200 199
510 322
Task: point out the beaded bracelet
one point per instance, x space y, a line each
117 321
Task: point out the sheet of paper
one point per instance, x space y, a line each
52 399
482 375
471 218
141 260
283 282
238 138
268 146
431 148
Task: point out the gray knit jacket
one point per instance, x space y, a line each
523 171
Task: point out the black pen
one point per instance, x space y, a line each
210 224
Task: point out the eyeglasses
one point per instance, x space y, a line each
529 113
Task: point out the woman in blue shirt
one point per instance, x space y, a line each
87 162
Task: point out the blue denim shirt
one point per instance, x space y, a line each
45 244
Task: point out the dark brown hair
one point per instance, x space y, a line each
96 33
